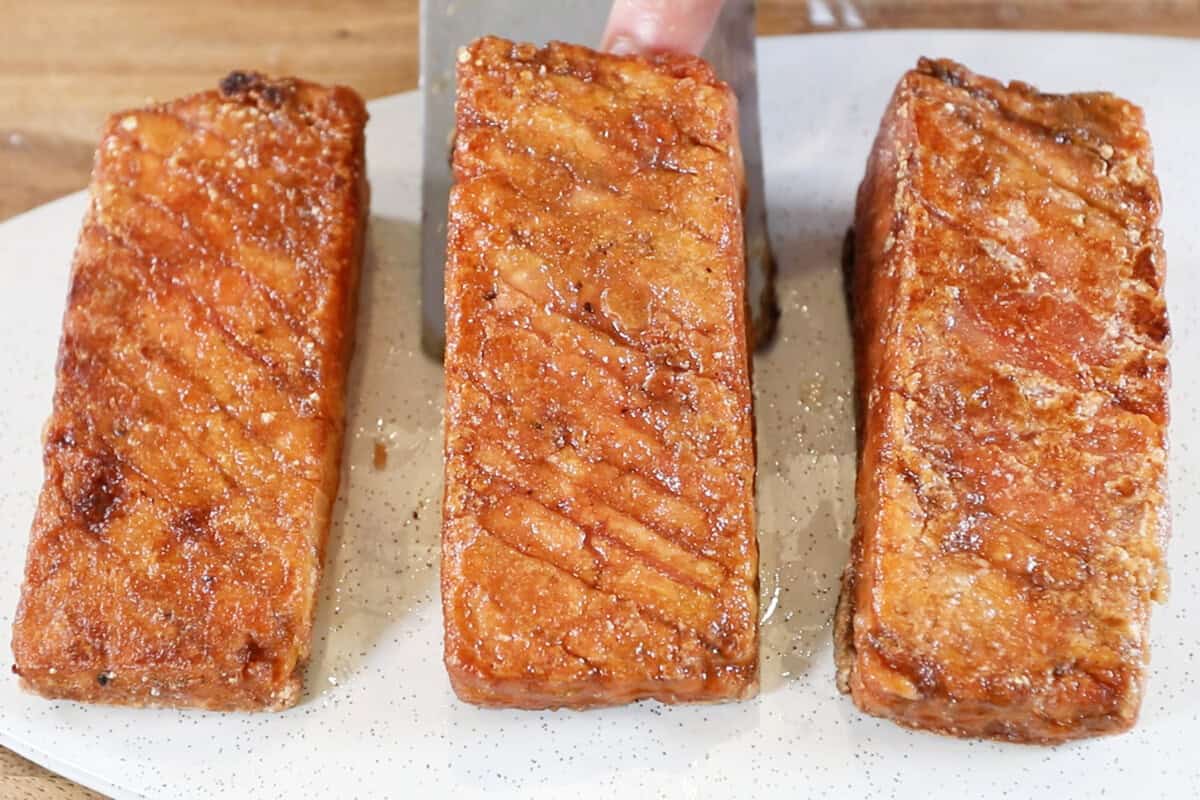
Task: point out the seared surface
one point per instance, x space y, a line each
1012 371
192 454
598 540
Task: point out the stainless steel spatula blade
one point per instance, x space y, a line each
731 53
447 25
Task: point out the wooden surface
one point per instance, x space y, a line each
65 64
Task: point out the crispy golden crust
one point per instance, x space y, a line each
192 454
1012 338
598 540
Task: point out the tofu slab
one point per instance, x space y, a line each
192 453
598 535
1012 373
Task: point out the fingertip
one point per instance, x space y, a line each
648 26
621 45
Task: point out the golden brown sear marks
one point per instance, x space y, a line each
598 540
1012 337
192 453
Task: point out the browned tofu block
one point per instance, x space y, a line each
192 453
1012 371
598 536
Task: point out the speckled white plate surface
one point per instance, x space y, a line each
379 719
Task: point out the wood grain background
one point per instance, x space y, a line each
66 64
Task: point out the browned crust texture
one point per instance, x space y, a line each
1012 372
192 453
598 538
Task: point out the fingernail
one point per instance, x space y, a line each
622 46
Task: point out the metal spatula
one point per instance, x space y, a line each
447 25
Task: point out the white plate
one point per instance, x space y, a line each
379 718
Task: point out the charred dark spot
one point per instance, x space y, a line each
236 82
942 71
520 235
1123 486
192 523
98 495
255 659
252 86
490 295
1145 267
563 437
311 373
588 307
1149 316
924 673
253 652
274 94
62 438
105 678
1143 366
416 514
928 676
